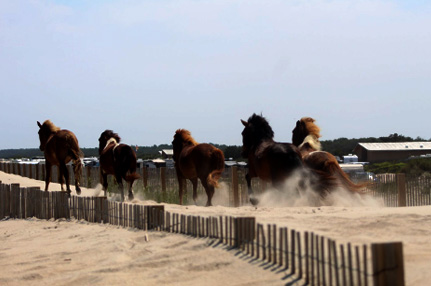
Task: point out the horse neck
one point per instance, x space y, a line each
311 143
259 144
50 136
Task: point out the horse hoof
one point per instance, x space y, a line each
131 196
254 201
78 190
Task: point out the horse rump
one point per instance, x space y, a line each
217 167
335 169
129 163
329 173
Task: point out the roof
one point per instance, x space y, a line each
396 146
352 167
168 152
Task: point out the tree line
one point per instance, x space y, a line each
337 147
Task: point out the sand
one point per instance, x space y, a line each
37 252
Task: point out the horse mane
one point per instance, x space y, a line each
111 140
51 127
311 127
261 126
110 134
186 137
312 142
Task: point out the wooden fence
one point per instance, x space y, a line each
153 180
305 257
399 190
394 189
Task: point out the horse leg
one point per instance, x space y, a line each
254 201
195 189
209 190
120 186
64 173
77 170
181 182
104 181
130 190
60 176
47 174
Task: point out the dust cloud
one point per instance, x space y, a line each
307 195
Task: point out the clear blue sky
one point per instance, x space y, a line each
147 68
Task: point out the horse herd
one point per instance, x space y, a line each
271 161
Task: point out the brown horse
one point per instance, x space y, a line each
60 146
193 161
306 136
269 160
118 160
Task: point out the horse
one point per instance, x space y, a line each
271 161
118 160
195 161
60 146
306 136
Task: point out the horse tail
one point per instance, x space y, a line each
133 176
334 168
76 154
129 160
217 165
322 182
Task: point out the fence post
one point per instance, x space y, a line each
151 213
163 178
388 264
15 203
235 186
241 237
88 172
401 186
145 176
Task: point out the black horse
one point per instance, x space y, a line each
271 161
118 160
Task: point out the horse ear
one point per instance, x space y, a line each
40 125
245 123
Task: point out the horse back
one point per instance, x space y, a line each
118 157
273 160
62 147
198 160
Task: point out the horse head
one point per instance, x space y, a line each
299 133
105 136
46 130
304 127
256 130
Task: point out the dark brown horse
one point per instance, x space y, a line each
60 146
195 161
118 160
269 160
306 136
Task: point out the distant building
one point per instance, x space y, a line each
167 153
156 163
231 163
381 152
350 159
